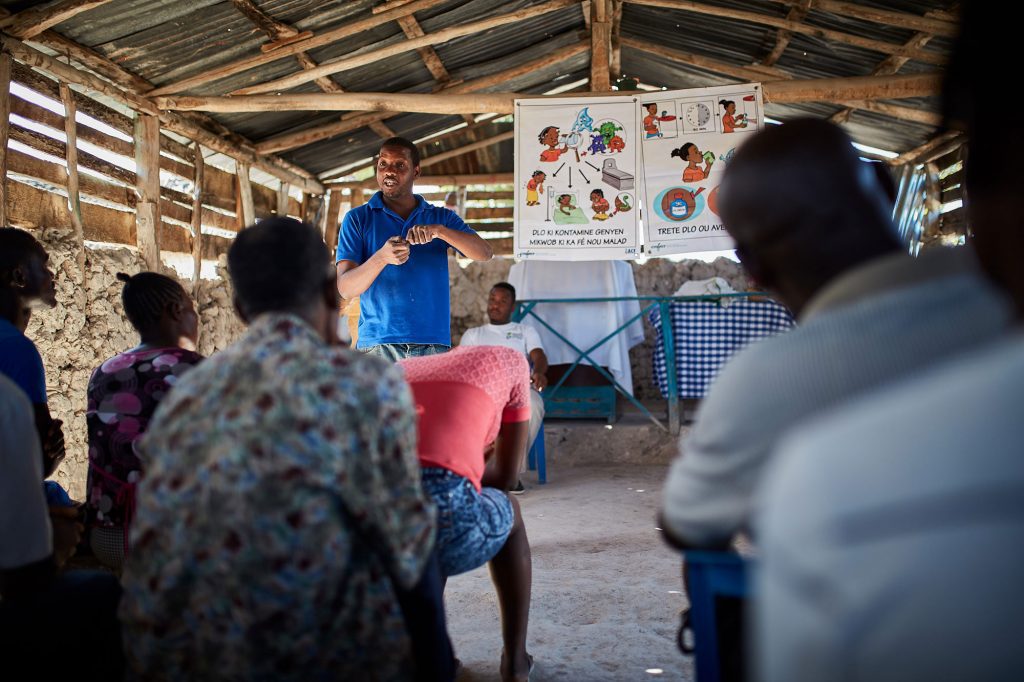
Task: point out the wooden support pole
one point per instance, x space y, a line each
246 209
282 200
331 226
5 123
375 56
71 161
600 46
147 184
197 219
615 60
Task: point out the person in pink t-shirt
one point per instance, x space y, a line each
469 399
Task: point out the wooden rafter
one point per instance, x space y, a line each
443 180
934 23
354 121
924 56
325 38
890 64
941 143
201 129
375 56
32 22
783 36
757 73
814 90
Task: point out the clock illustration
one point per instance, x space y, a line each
698 115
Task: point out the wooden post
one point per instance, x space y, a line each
282 199
332 225
5 118
71 160
147 184
197 220
246 208
600 46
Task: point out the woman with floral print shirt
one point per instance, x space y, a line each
123 394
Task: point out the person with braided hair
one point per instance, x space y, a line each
123 393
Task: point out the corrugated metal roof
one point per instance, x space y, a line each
165 42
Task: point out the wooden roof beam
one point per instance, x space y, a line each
796 27
782 37
945 141
354 121
326 38
442 36
31 22
935 23
814 90
183 125
891 64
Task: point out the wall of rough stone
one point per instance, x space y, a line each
88 326
656 277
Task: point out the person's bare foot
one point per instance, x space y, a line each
517 670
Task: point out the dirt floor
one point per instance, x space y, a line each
606 589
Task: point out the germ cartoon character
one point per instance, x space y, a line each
599 204
607 130
550 137
535 187
597 145
616 144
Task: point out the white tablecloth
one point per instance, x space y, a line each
582 323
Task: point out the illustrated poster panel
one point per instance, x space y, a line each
688 139
576 175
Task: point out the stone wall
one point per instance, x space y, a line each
88 326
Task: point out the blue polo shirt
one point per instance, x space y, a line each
21 363
407 303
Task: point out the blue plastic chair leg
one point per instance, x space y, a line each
535 459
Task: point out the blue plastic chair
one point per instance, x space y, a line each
535 460
710 575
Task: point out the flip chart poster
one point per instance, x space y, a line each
576 178
688 140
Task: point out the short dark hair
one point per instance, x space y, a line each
146 296
507 287
277 265
16 247
405 144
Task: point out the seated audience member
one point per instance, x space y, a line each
891 530
467 398
123 393
52 626
811 223
281 523
502 331
26 280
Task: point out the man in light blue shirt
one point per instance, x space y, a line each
393 254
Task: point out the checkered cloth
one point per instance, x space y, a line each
706 334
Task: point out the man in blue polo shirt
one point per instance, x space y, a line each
393 254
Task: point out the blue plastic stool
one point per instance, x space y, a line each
535 460
710 575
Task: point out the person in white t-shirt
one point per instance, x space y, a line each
503 332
